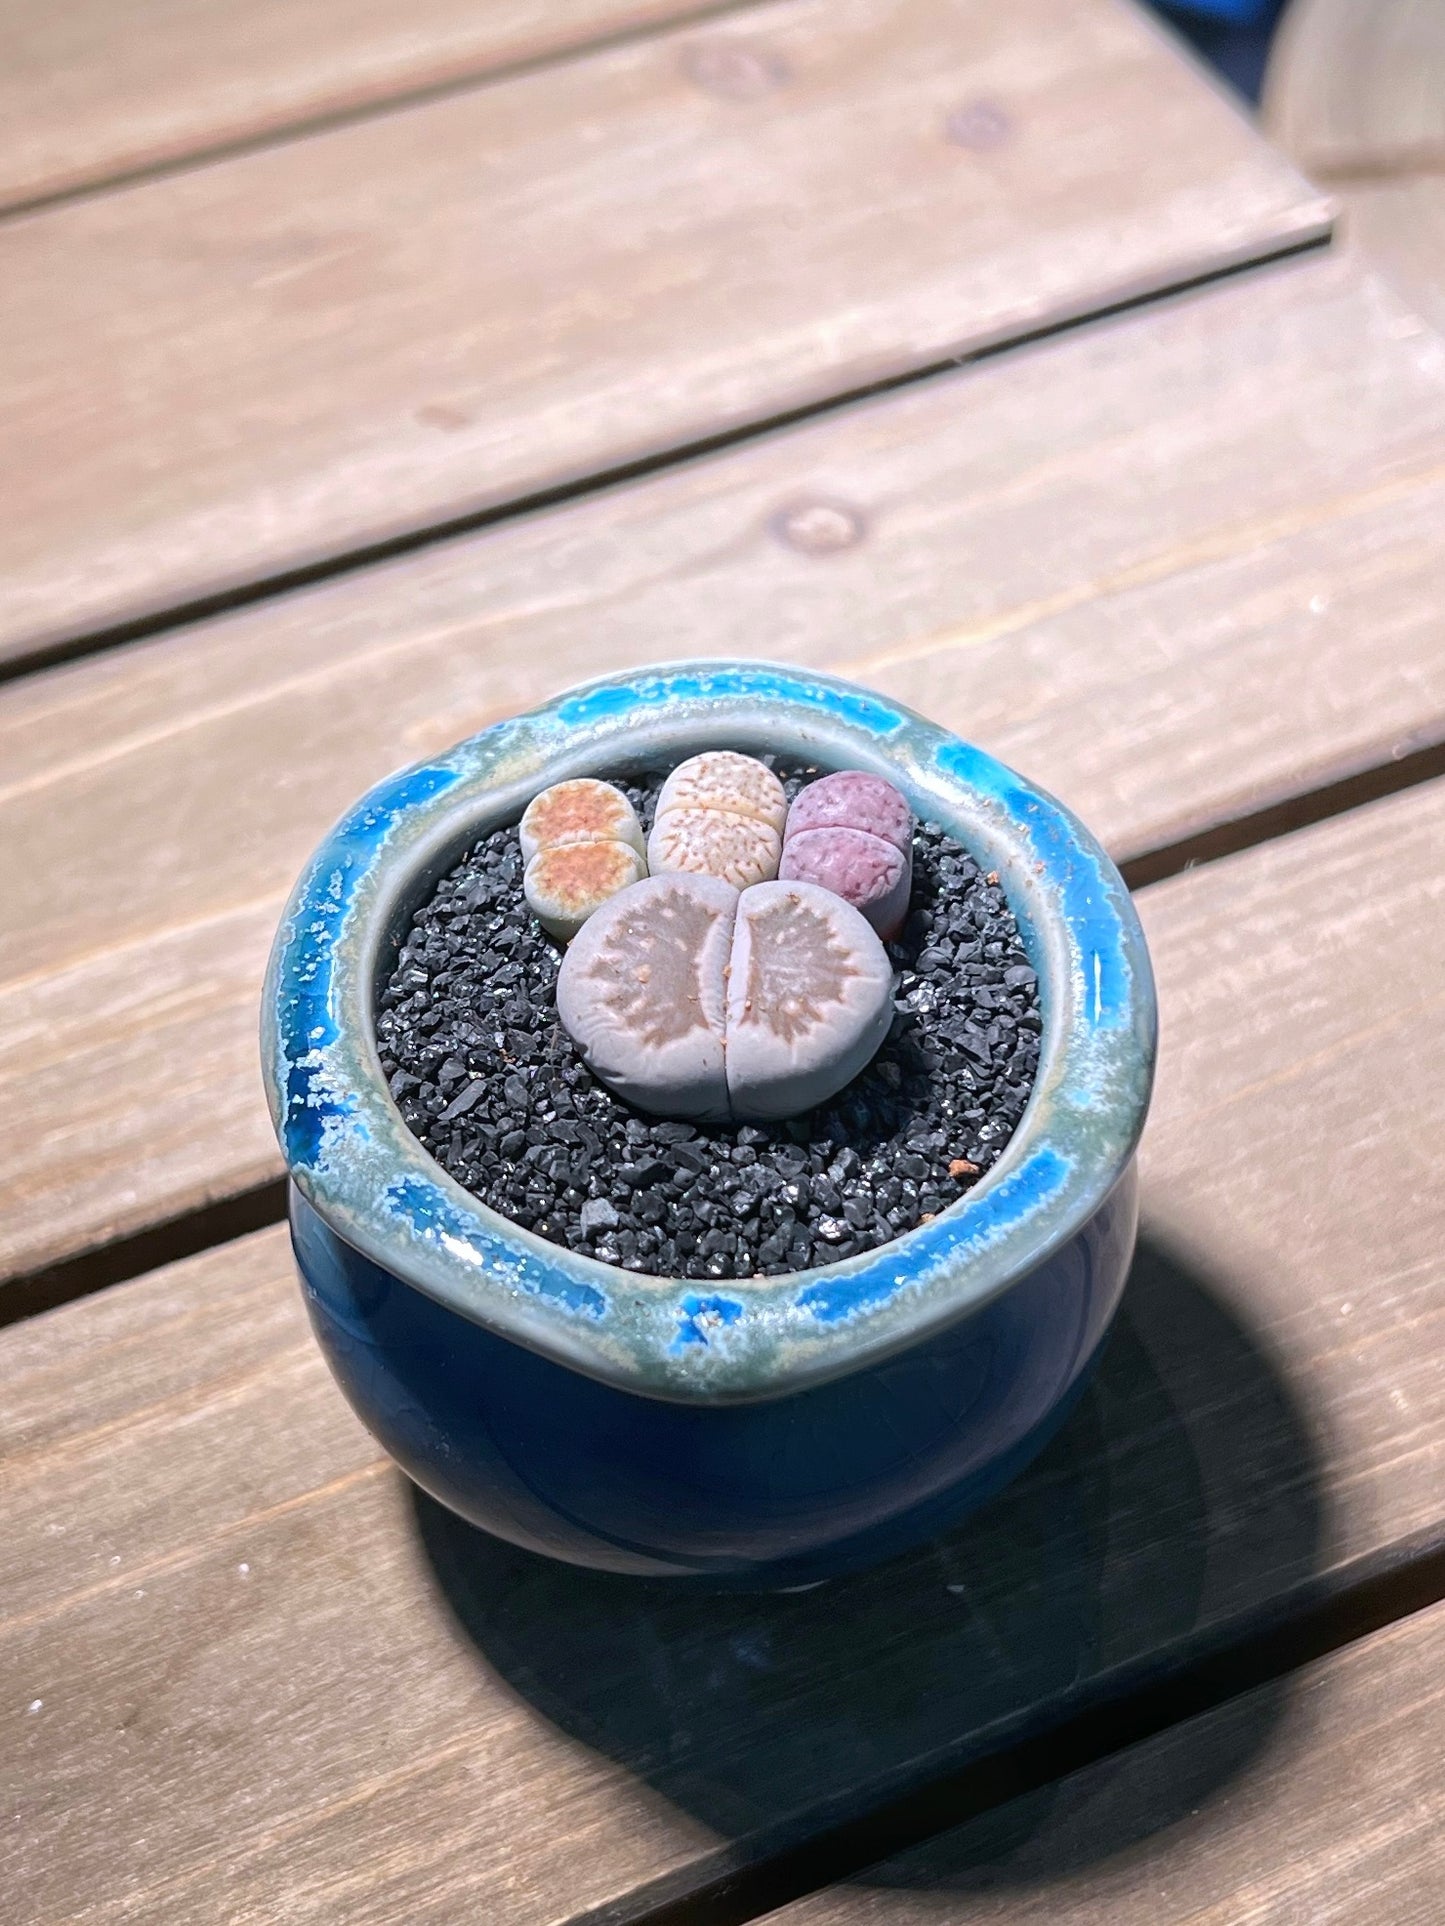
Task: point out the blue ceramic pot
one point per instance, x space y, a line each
774 1430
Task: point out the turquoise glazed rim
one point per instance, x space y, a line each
370 1179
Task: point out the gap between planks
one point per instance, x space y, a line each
328 120
1231 489
185 1235
1299 1632
1253 1028
191 1232
515 304
353 560
1335 1821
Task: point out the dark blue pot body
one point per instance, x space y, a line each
777 1492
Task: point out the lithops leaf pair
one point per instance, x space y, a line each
692 999
582 843
719 814
852 833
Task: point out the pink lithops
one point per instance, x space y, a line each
642 993
719 814
582 843
852 799
852 833
810 998
865 871
692 1000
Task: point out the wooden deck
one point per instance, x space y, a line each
366 386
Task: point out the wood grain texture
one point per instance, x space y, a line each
1337 1824
271 1687
89 91
260 364
1137 561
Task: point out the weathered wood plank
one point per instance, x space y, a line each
253 366
90 91
269 1685
1338 1820
1401 225
1137 561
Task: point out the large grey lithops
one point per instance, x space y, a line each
642 992
719 814
582 843
852 833
692 1000
810 999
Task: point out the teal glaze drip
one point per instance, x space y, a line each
1085 896
692 1312
611 700
304 1020
432 1216
380 808
951 1240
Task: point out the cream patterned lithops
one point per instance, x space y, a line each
582 843
565 886
810 999
692 1000
852 833
581 811
719 814
642 993
723 779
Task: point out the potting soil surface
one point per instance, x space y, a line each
491 1084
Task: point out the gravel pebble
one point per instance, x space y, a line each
489 1082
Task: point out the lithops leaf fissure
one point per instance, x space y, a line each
852 833
580 811
723 779
720 814
852 799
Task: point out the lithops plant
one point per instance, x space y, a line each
719 814
642 992
583 810
852 833
810 998
693 1000
582 843
566 886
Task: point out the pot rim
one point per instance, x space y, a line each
354 1159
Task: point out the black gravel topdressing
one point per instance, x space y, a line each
488 1080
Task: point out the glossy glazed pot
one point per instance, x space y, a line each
779 1428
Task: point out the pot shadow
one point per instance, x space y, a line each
1183 1492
